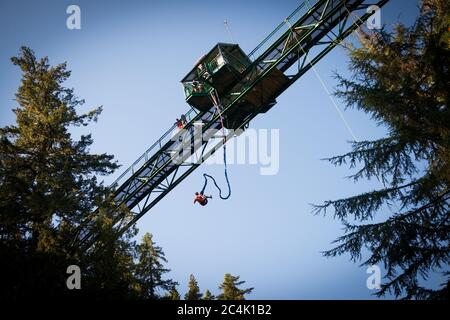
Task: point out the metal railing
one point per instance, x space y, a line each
304 7
189 90
190 114
196 87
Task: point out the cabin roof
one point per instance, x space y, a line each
217 46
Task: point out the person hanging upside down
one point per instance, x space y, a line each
200 198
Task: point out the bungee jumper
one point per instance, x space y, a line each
199 196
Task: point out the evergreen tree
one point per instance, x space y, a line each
49 186
109 263
150 270
208 295
401 78
194 290
172 294
230 290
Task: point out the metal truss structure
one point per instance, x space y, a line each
295 46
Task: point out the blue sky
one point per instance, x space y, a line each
129 57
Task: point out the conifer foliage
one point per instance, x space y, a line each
401 79
230 288
50 194
150 270
194 291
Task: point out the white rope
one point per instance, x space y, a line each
341 115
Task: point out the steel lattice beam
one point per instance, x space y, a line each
305 41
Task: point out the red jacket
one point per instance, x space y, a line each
201 199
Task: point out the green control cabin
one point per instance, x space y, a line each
227 68
220 68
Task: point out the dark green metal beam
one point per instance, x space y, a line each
342 35
329 15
